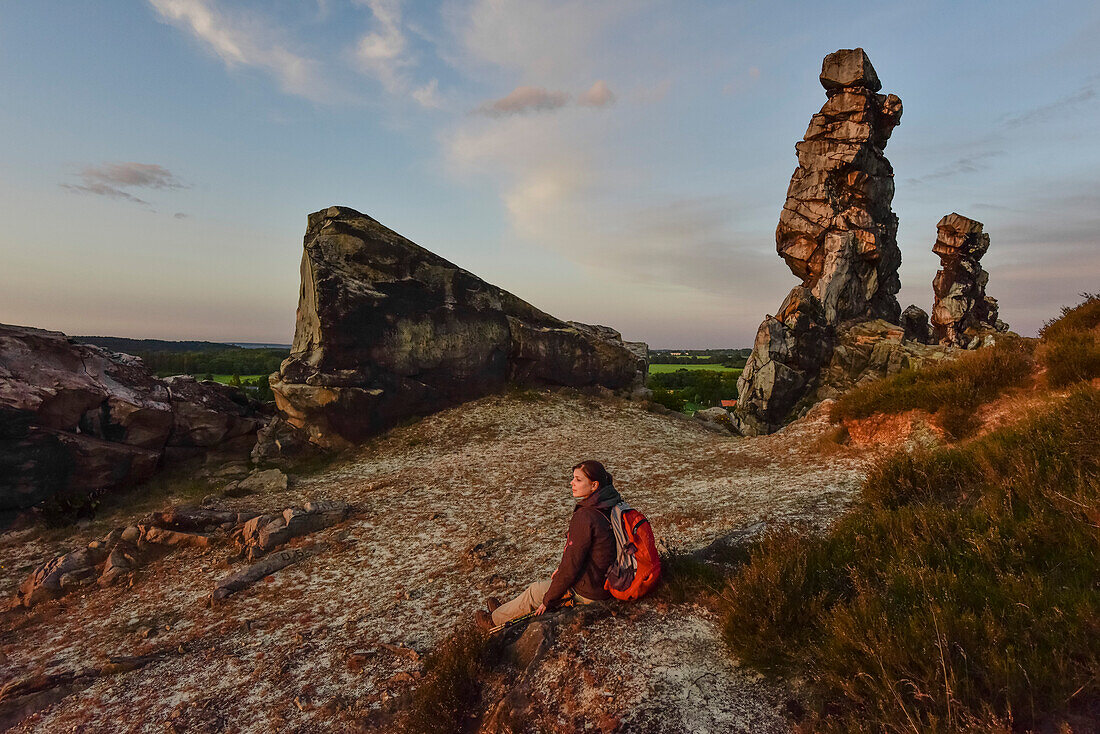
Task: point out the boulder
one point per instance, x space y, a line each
838 234
78 419
962 314
264 533
251 574
387 330
270 480
915 325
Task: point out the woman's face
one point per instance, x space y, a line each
582 486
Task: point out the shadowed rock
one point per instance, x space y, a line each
387 330
838 234
77 419
914 322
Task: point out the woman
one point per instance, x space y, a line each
589 552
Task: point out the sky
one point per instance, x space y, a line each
621 162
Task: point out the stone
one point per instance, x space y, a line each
871 350
77 419
264 533
269 480
53 578
848 68
836 233
163 536
531 645
256 571
280 442
914 322
716 416
962 314
387 330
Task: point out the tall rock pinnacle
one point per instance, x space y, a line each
837 233
962 309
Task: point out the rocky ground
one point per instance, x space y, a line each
463 504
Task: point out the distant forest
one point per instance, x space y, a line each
166 358
725 357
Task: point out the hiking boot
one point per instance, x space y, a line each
484 620
492 603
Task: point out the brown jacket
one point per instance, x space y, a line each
589 549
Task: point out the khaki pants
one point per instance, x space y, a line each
529 601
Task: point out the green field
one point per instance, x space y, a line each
655 369
226 379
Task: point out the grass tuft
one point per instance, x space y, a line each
684 577
449 694
1085 316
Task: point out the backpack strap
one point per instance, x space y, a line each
622 558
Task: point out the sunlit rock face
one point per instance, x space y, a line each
962 313
837 233
387 330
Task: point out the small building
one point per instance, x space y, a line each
729 403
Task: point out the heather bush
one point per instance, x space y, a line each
448 695
962 593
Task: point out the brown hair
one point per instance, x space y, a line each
595 472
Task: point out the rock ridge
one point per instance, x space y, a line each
77 419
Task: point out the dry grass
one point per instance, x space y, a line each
448 697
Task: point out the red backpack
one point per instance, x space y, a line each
637 565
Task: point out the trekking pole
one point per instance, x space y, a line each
524 618
512 622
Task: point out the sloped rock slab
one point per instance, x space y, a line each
387 330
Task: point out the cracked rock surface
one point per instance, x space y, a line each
78 419
962 313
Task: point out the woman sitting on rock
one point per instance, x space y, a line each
589 552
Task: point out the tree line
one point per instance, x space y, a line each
675 390
232 361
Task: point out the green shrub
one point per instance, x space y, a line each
687 578
961 593
951 390
1070 348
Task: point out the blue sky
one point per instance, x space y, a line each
620 163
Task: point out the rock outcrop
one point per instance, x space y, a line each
77 419
962 313
837 233
387 330
870 350
126 549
